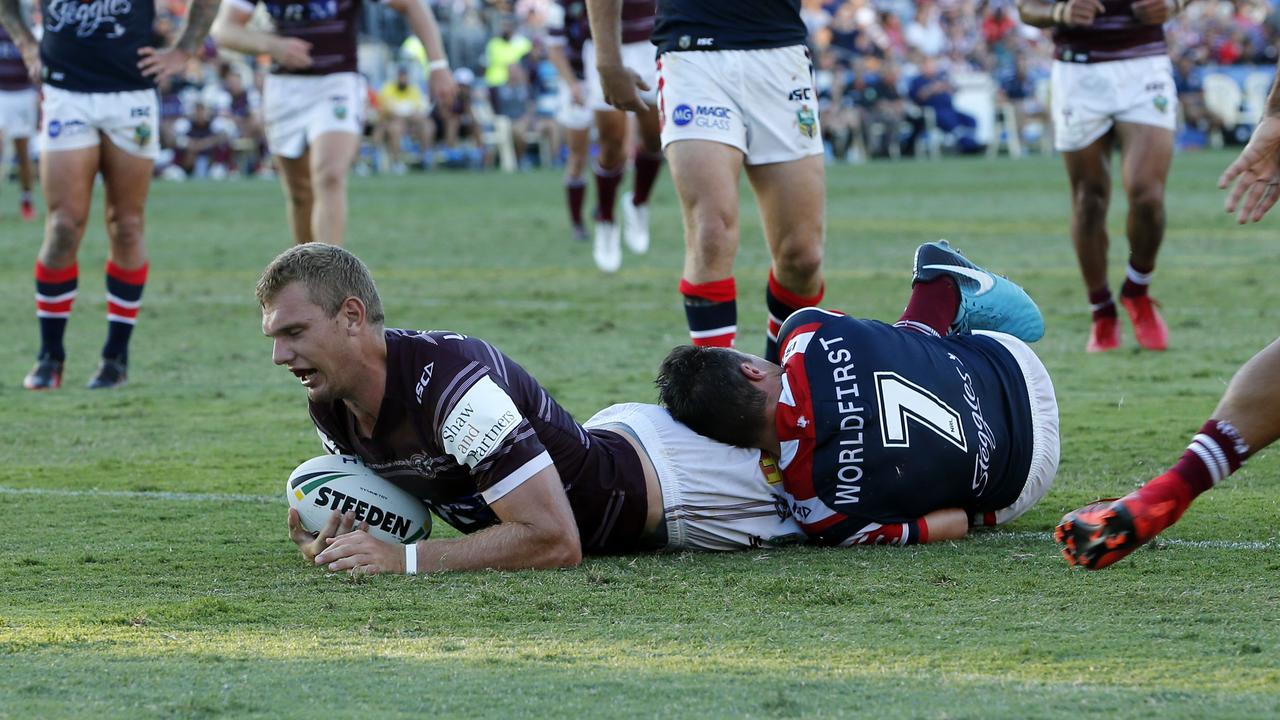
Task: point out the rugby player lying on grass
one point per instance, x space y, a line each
461 426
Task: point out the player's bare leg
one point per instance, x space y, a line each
611 165
575 166
792 197
1244 422
22 148
66 176
648 161
1146 152
331 157
126 180
295 178
706 179
1089 174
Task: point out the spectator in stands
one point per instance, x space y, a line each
502 51
458 120
1018 88
514 101
925 32
1190 88
243 106
885 115
402 107
932 89
204 143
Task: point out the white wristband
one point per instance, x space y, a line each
411 559
441 64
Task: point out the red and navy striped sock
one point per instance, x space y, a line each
55 294
124 297
781 302
607 182
711 309
575 190
647 165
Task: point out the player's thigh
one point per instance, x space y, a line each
66 176
1089 169
126 180
706 176
295 177
331 156
791 196
1146 152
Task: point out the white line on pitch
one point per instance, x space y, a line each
143 495
1173 542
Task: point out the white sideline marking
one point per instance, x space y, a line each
1173 542
143 495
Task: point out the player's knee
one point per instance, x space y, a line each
1091 200
64 235
712 227
125 228
799 257
1147 199
330 179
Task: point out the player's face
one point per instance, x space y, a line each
314 346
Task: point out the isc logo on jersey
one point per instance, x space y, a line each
344 484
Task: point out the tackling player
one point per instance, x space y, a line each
100 112
735 87
1113 85
896 434
1246 420
18 108
567 31
313 101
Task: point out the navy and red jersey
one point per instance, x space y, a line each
92 45
567 27
13 72
880 426
329 25
1114 35
728 25
461 425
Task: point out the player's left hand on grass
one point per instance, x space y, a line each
442 86
1152 12
359 553
160 64
622 88
1256 173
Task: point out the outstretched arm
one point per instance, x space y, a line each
231 31
1256 172
159 64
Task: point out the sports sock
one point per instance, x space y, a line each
933 304
1102 304
781 302
1136 283
124 297
647 166
607 182
711 309
575 190
55 294
26 196
1214 453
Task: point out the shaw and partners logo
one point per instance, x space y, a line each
87 17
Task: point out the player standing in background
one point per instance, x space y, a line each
1113 84
896 434
1246 420
313 101
18 111
735 87
567 31
101 115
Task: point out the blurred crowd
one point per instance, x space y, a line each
887 73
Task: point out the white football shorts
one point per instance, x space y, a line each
18 113
73 120
1087 99
714 496
569 114
762 102
637 56
299 108
1044 428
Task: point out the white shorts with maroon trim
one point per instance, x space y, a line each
637 56
18 113
73 120
759 101
299 108
1044 429
714 496
1087 99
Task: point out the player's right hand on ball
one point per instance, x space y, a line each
292 53
1081 13
312 544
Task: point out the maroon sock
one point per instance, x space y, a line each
1214 453
607 182
647 167
933 304
575 190
1136 282
1102 304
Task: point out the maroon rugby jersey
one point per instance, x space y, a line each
1114 35
461 425
13 73
637 20
329 25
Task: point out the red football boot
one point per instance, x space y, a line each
1104 335
1103 532
28 212
1148 326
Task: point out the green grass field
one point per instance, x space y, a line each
145 570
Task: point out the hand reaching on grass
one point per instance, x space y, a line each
312 544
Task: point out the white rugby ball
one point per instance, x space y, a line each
344 483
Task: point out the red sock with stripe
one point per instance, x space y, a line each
781 302
55 294
711 310
1214 453
124 297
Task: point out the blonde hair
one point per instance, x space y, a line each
330 275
